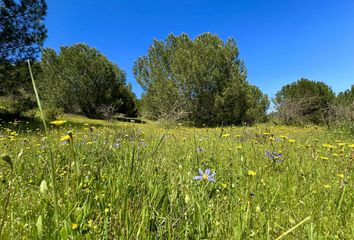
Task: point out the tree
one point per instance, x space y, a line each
15 87
22 29
304 101
81 80
22 33
346 97
200 80
341 113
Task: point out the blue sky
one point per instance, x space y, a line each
280 41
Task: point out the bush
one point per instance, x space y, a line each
51 114
304 102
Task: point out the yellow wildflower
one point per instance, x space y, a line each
65 138
329 146
74 226
57 122
251 173
341 175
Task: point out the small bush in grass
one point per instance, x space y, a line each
53 113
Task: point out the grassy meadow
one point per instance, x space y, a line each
91 179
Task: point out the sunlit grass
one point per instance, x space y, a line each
134 181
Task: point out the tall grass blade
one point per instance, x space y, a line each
52 169
293 228
37 97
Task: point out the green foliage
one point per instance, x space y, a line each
53 113
341 114
15 86
346 97
22 33
241 103
200 80
22 29
81 80
304 101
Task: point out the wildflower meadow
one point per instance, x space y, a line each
94 179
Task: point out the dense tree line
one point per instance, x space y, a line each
201 80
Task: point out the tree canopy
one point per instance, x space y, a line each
346 97
81 80
304 100
22 33
22 29
201 80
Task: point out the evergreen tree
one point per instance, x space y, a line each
304 101
201 80
81 80
22 33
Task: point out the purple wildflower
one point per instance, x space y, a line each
273 155
199 150
205 176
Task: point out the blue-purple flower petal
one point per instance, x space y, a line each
212 175
198 178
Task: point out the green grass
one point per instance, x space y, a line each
134 181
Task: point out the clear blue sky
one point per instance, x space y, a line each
280 41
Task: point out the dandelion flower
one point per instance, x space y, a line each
251 173
329 146
65 138
57 122
74 226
